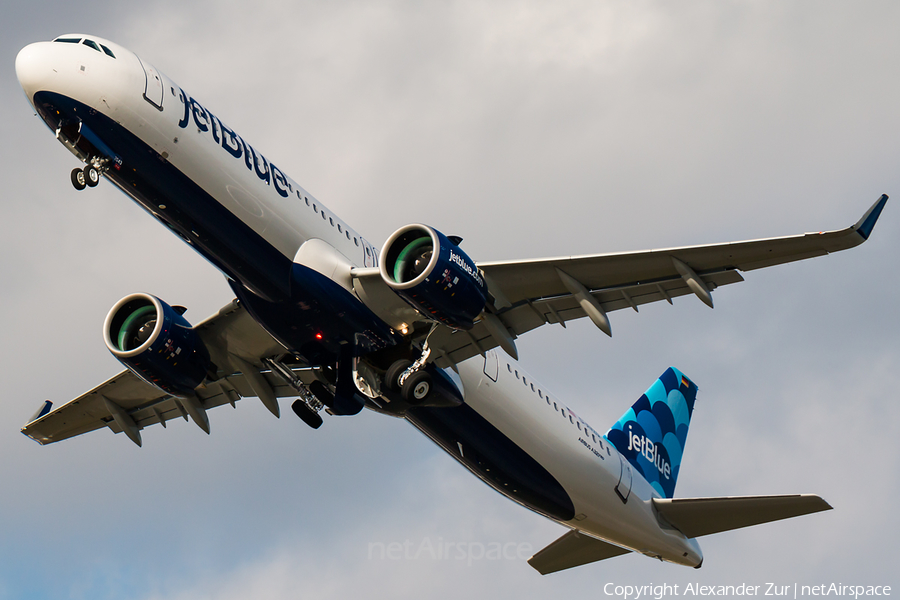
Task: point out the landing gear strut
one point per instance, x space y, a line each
308 406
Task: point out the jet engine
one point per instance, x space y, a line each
431 273
157 344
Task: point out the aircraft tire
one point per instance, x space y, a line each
311 418
417 387
392 375
321 393
91 176
78 179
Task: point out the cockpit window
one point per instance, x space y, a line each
88 43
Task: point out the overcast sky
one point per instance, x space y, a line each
530 130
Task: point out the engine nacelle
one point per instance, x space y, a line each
157 344
431 273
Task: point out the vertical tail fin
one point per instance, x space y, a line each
652 433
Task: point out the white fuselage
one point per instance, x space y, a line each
257 194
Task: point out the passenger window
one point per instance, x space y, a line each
330 220
525 381
578 424
555 407
367 251
315 208
517 373
348 236
91 44
532 387
339 228
571 420
355 241
540 393
323 215
307 200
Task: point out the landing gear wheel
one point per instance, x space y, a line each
321 393
91 176
78 179
392 376
306 414
417 387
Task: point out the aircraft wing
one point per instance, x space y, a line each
127 404
528 294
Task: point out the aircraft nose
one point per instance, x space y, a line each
34 69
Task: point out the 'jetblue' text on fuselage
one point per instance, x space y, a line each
234 144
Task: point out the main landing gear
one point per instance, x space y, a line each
410 378
89 176
309 405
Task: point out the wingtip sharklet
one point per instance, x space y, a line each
865 225
42 410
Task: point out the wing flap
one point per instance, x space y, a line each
573 549
454 347
696 517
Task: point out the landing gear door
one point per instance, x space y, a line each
491 367
623 488
153 87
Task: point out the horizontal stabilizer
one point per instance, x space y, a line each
573 550
695 517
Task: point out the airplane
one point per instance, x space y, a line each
411 331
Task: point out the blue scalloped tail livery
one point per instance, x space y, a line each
652 433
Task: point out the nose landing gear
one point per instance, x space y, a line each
89 176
